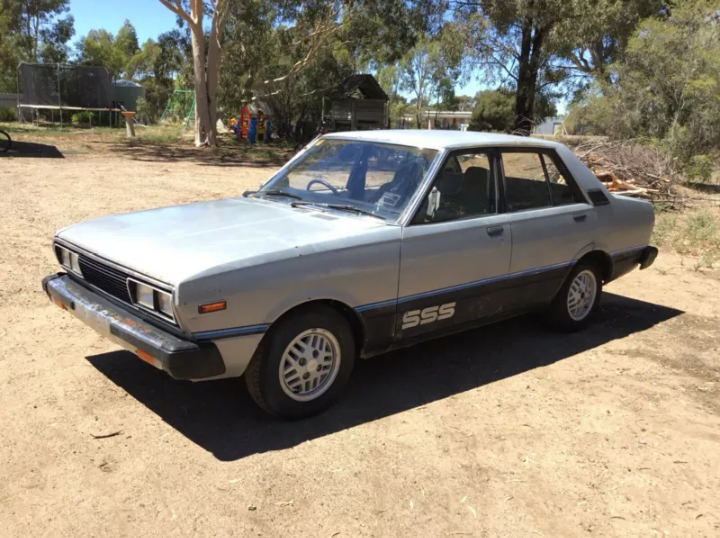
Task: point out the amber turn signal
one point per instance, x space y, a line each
212 307
147 357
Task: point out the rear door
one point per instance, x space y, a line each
454 248
550 218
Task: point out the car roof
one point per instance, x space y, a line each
440 139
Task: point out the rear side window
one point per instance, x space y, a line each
533 181
562 190
526 186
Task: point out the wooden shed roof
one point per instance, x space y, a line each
364 85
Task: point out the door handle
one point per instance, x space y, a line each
579 218
493 231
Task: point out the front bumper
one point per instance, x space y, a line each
180 358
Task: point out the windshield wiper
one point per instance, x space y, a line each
339 207
272 192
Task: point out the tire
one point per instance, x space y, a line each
5 142
321 332
572 309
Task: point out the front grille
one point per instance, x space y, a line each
106 278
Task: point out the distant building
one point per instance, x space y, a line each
549 127
451 120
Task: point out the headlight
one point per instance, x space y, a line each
164 303
68 259
145 295
151 298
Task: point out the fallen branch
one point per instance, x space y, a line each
106 435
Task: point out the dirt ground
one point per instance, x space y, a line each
507 431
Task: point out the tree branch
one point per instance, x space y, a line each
176 8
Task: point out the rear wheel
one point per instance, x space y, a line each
577 301
5 142
303 364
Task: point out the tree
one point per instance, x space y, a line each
98 49
206 60
37 16
667 85
599 33
514 41
445 93
54 40
495 111
126 40
421 69
465 102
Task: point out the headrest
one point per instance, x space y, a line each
477 173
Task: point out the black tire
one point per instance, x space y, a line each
262 376
5 142
558 314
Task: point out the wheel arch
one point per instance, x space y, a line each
602 260
353 319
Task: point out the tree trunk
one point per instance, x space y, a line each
204 130
528 71
206 72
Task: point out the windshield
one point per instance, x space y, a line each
371 177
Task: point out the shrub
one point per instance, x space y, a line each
8 114
84 117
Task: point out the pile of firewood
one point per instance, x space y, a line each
631 169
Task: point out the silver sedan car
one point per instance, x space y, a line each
362 243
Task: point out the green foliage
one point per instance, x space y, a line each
699 168
98 49
666 89
32 31
495 111
83 117
8 114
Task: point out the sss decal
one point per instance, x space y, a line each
431 314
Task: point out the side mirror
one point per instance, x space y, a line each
433 203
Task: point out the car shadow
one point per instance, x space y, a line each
33 149
220 416
226 156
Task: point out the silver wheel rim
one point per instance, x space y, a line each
309 365
581 295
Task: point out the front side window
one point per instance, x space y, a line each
465 188
373 177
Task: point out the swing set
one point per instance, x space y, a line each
180 106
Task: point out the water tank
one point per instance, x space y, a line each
126 93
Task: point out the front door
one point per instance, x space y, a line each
456 250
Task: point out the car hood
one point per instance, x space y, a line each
172 244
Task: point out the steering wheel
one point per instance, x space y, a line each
324 183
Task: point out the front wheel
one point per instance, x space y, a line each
303 364
577 301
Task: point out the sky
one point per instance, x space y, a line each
150 19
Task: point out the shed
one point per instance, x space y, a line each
358 103
126 93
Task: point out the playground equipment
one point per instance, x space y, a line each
253 124
129 124
181 105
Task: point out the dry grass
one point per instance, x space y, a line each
693 233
